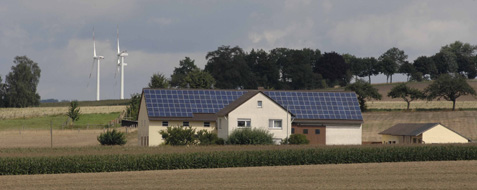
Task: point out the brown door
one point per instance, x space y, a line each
315 134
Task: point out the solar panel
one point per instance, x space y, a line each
304 105
319 105
183 103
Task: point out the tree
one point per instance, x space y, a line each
228 67
407 69
371 67
198 79
333 68
158 80
426 66
132 109
74 111
391 60
185 66
2 93
265 71
21 83
450 88
364 91
406 93
355 64
463 54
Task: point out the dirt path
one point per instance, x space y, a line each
406 175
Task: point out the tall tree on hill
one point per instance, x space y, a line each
228 67
408 94
158 80
371 67
446 62
407 69
333 68
21 83
198 79
391 60
463 53
2 93
185 66
355 64
426 66
266 73
449 87
364 91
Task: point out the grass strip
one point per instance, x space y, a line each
335 155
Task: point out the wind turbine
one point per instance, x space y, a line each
96 58
121 64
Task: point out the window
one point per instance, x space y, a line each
165 123
206 124
275 123
259 103
305 131
317 131
293 131
185 124
244 123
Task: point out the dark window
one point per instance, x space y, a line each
185 124
206 124
317 131
293 131
165 123
305 131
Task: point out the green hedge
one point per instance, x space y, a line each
322 155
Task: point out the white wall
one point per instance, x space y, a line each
441 134
343 134
143 123
259 117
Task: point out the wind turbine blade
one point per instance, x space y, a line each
94 45
92 67
117 38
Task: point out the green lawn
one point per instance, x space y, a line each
85 121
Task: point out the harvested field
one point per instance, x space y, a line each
12 113
411 175
425 105
61 138
464 122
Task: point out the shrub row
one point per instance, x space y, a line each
322 155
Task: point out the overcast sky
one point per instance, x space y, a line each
57 34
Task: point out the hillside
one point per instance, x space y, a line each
464 122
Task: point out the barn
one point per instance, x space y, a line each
324 117
421 133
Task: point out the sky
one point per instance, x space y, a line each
57 34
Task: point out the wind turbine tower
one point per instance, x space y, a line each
121 64
96 58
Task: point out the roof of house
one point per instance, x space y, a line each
304 105
412 129
242 99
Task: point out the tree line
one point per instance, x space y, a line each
296 69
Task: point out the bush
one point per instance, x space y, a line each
112 138
179 135
250 136
296 139
207 138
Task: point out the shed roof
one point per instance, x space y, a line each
413 129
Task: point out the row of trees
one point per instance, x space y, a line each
446 86
20 86
283 68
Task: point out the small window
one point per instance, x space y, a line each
259 103
317 131
165 123
244 123
185 124
275 123
305 131
293 131
206 124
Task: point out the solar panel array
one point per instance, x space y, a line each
319 105
304 105
183 103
